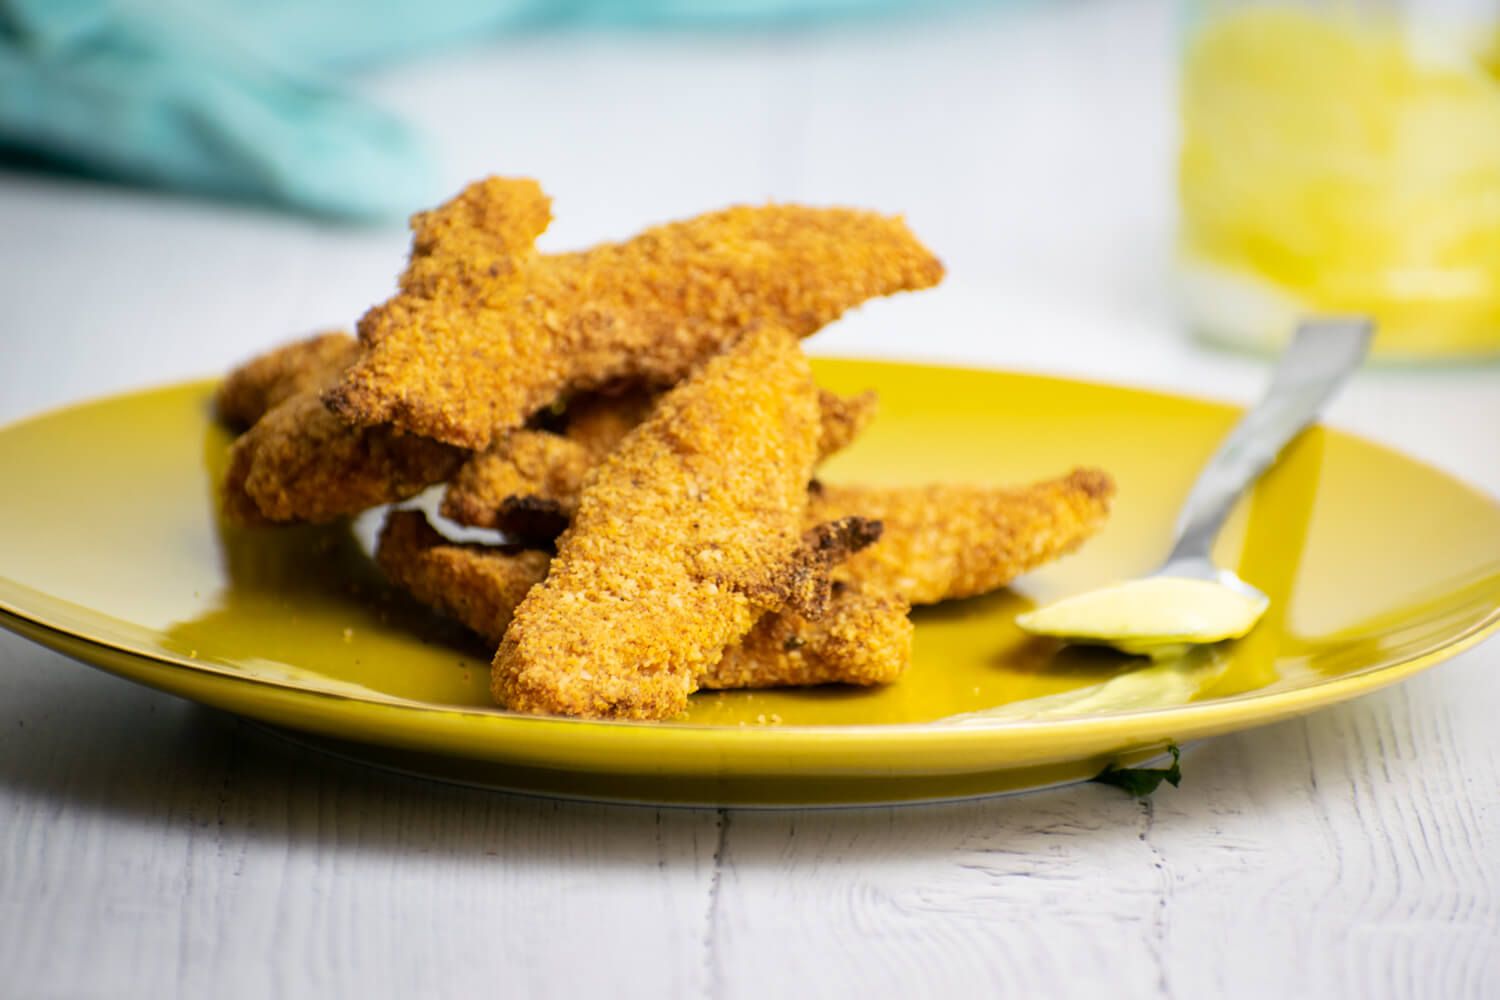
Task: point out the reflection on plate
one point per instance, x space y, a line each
1376 565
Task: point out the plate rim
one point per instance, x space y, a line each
1291 699
1271 705
208 382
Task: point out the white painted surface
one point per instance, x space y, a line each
149 848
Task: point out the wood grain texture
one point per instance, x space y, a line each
149 848
152 843
155 843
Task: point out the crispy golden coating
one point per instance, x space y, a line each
478 585
807 587
842 419
238 505
298 462
598 421
527 484
685 534
948 541
264 382
481 335
864 638
301 463
469 248
940 542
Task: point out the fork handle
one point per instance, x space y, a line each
1320 357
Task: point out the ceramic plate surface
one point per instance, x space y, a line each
1377 566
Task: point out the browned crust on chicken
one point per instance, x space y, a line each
478 585
680 535
301 463
483 333
863 638
948 541
527 484
256 387
843 419
525 473
807 587
598 421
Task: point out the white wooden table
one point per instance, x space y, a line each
151 848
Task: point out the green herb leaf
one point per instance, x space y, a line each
1142 781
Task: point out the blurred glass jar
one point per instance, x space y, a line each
1343 158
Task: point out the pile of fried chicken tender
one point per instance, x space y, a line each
640 422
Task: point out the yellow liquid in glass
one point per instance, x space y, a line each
1331 164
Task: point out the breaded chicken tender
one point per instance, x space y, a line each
253 389
863 638
299 462
598 421
841 419
477 585
685 534
483 333
948 541
527 484
939 542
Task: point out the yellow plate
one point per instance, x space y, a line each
1377 566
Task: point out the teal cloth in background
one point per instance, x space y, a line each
242 98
